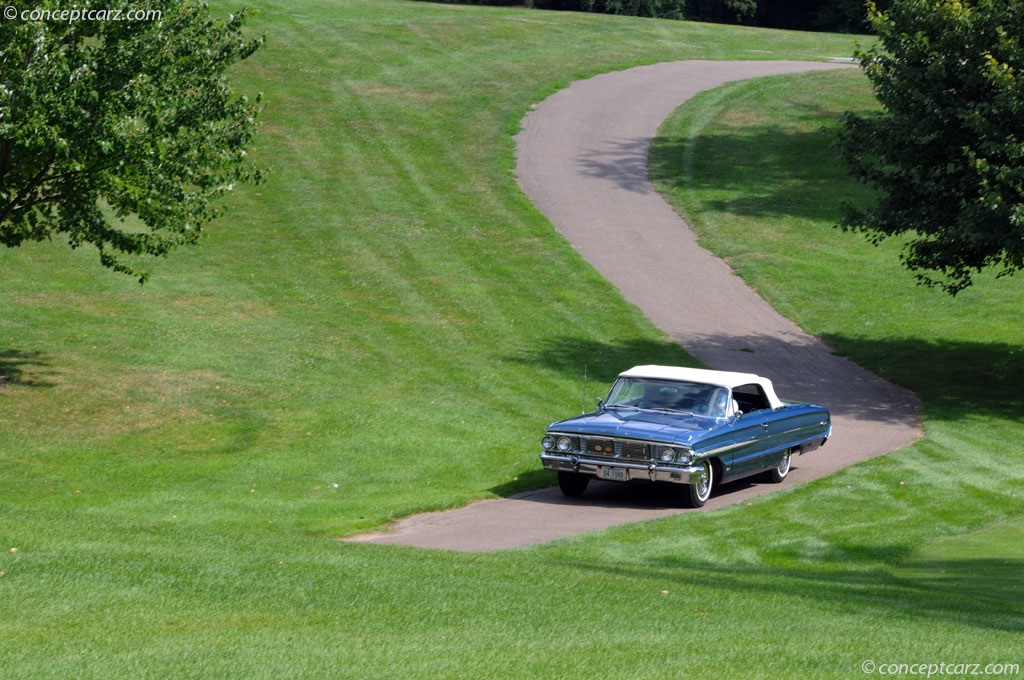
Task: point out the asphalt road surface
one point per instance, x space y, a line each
582 160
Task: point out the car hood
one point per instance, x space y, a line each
643 424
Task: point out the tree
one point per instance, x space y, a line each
947 152
723 11
664 9
117 128
846 16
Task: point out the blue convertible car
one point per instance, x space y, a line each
686 426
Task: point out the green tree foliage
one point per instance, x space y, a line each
947 153
662 9
846 16
723 11
119 131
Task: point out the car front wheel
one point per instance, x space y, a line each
572 483
696 495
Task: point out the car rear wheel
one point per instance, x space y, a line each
696 495
779 472
572 483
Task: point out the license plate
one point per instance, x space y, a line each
614 474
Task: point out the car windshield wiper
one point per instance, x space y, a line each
632 406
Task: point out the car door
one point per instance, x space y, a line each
755 433
752 434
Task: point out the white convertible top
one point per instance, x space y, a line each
706 377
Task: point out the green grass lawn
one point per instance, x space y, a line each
387 325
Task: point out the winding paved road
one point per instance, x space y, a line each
582 160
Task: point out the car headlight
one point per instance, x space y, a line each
668 454
685 457
548 442
564 444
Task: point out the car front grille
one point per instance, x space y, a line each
615 448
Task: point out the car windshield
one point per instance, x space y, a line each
669 395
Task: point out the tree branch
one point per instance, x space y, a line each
36 182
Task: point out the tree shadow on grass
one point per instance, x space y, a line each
774 171
971 592
954 380
18 367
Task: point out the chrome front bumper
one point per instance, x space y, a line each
644 471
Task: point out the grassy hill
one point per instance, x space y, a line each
385 327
